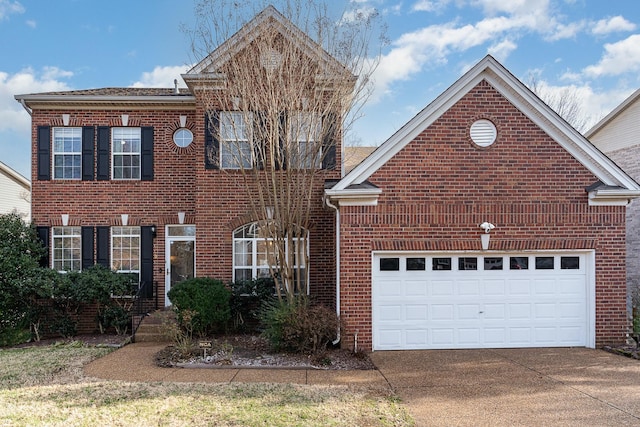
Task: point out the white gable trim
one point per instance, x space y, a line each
250 31
528 103
15 176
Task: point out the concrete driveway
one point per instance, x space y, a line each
530 387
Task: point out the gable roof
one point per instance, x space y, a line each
635 96
273 20
15 176
618 184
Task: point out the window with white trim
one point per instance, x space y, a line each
235 140
305 130
125 250
67 153
252 255
125 148
67 248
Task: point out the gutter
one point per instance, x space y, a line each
334 207
24 105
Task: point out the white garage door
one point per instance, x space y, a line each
446 301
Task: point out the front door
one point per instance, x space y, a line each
180 256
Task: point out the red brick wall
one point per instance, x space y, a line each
214 200
441 186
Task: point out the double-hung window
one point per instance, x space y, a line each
305 130
67 153
67 247
125 251
235 140
126 149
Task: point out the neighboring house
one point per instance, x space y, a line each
618 136
396 245
15 193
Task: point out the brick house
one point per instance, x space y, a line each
618 136
124 177
485 221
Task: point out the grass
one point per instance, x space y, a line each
45 386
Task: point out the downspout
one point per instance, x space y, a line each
332 206
24 105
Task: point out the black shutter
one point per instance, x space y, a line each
146 160
281 154
43 235
330 125
88 144
211 141
146 260
259 138
44 153
87 247
104 153
102 247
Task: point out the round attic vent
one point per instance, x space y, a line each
483 133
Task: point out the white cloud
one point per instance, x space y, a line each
162 77
8 7
429 5
501 50
12 115
619 58
504 23
611 25
31 23
359 14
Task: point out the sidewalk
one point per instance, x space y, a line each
135 362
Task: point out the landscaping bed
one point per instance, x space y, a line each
253 351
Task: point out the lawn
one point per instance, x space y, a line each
46 386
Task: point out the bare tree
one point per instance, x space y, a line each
281 90
566 101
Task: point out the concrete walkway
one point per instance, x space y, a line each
135 362
511 387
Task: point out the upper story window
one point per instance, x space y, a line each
67 153
235 140
305 130
67 247
126 152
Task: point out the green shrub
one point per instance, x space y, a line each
298 326
246 298
206 299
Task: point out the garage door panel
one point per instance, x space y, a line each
527 306
441 288
468 311
468 288
416 312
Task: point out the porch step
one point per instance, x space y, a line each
154 326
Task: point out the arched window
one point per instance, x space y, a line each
252 256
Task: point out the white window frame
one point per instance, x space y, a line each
128 234
305 130
236 149
62 136
67 256
120 137
253 261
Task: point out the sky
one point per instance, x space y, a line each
590 48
